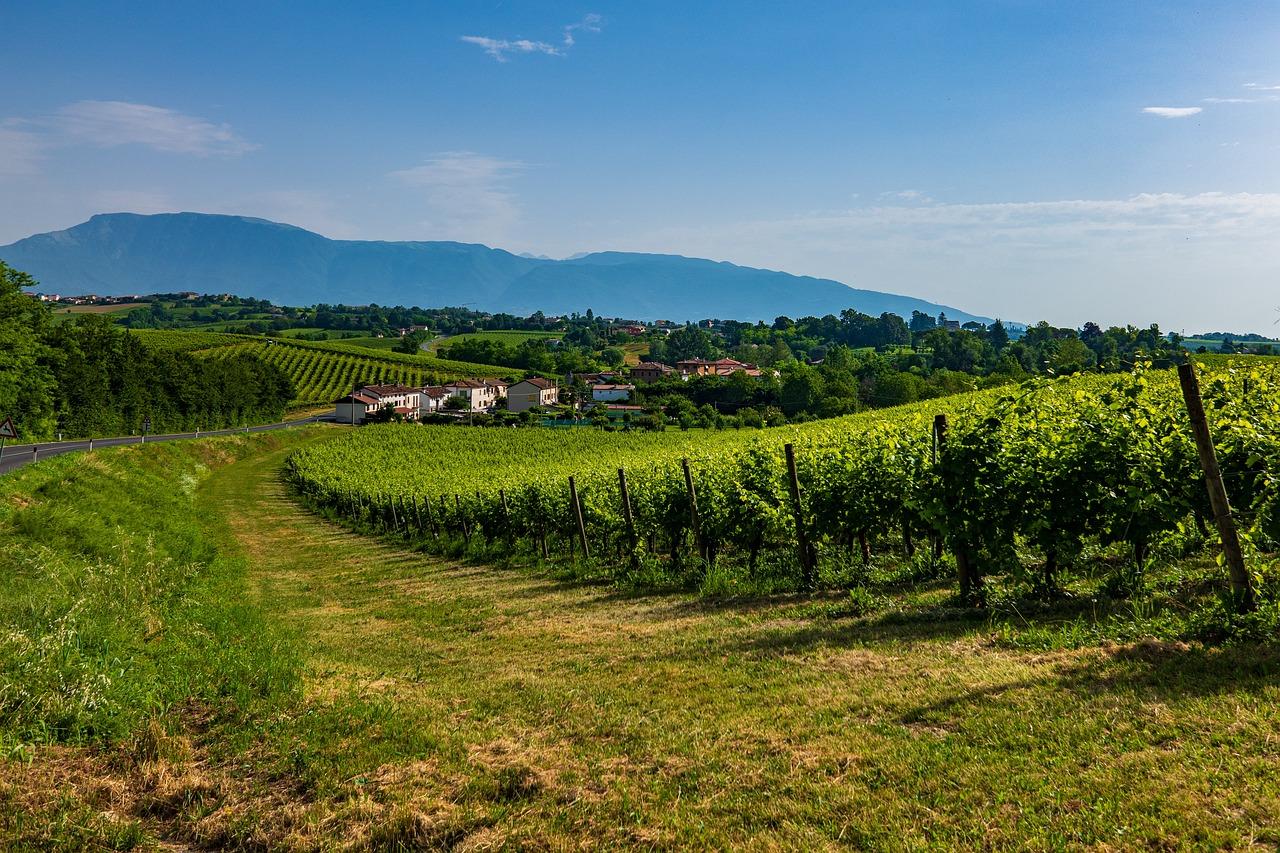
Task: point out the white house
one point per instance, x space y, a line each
357 407
610 392
432 400
535 391
478 394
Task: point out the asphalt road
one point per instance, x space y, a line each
17 455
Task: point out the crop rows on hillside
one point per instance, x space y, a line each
1022 483
321 374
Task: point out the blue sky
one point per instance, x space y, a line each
1069 161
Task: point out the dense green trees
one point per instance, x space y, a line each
92 378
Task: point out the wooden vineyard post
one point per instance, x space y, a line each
802 539
506 516
431 519
462 519
694 521
395 519
542 525
1241 583
964 565
935 537
417 515
627 516
444 513
577 512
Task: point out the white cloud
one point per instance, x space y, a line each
20 151
112 123
1261 87
500 49
589 24
917 196
465 195
1149 257
1173 112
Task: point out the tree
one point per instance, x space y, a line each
998 336
27 388
690 342
921 322
613 356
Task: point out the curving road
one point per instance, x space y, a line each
17 455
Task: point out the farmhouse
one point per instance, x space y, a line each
479 395
650 371
719 367
358 406
534 391
432 400
611 392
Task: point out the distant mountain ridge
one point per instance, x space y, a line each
122 253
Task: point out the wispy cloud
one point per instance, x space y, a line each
1137 259
499 48
112 123
503 49
465 195
917 196
1173 112
1262 87
20 150
589 24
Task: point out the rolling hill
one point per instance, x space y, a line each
123 253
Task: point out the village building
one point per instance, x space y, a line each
611 392
479 395
532 392
719 367
356 408
650 371
432 400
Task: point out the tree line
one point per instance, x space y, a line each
89 377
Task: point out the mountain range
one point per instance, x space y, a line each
114 254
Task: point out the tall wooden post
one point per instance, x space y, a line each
627 516
1241 582
577 511
506 516
431 518
694 520
969 582
807 573
462 519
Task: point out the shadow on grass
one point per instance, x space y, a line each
1148 670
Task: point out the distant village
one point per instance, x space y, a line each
608 393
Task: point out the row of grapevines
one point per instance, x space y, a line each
1047 468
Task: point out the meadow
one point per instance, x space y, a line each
191 658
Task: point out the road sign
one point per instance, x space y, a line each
146 424
7 430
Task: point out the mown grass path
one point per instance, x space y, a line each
455 704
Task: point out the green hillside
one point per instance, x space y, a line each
322 372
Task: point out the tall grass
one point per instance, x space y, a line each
115 607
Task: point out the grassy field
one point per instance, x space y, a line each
344 691
512 337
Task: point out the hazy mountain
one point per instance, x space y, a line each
124 253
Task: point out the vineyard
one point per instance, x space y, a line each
323 372
1094 477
